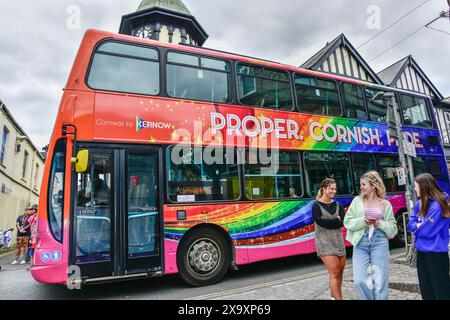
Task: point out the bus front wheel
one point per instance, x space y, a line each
203 257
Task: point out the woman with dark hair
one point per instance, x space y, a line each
328 216
430 223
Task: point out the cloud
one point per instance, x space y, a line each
38 45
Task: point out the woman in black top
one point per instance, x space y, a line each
328 220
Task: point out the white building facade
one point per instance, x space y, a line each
21 169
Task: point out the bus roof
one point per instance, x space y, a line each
93 36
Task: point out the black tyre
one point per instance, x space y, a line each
399 240
203 257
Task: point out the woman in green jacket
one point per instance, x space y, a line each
370 223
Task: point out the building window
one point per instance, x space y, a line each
415 111
277 177
202 174
353 97
198 78
25 164
317 96
125 68
319 166
3 145
387 167
265 88
36 175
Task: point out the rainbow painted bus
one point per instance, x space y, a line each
120 200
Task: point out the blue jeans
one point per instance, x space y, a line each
371 266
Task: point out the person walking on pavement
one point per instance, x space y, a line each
23 236
328 217
32 221
370 224
430 224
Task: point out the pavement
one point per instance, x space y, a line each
403 284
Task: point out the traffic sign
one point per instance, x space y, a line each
45 256
410 148
401 176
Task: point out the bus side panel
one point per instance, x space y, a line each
50 260
259 230
398 203
78 109
282 249
170 256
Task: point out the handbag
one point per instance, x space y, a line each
411 256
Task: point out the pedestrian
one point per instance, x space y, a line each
370 224
23 236
328 217
32 221
430 224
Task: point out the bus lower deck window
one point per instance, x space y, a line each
272 175
202 174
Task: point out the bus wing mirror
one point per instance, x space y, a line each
81 161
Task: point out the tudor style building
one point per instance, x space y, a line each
406 74
340 57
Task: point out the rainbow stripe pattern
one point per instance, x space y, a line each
250 225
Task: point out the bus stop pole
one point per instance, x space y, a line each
404 163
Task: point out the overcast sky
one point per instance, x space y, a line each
39 40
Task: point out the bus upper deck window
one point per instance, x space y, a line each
198 78
415 111
120 67
317 96
378 108
353 98
262 87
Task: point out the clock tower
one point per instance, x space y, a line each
164 20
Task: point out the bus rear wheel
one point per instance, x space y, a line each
203 257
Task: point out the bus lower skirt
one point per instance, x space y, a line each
137 276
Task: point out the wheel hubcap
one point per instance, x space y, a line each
204 256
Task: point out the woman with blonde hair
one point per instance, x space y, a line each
370 224
328 215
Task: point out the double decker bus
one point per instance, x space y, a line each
157 163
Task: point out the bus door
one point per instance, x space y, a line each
117 222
